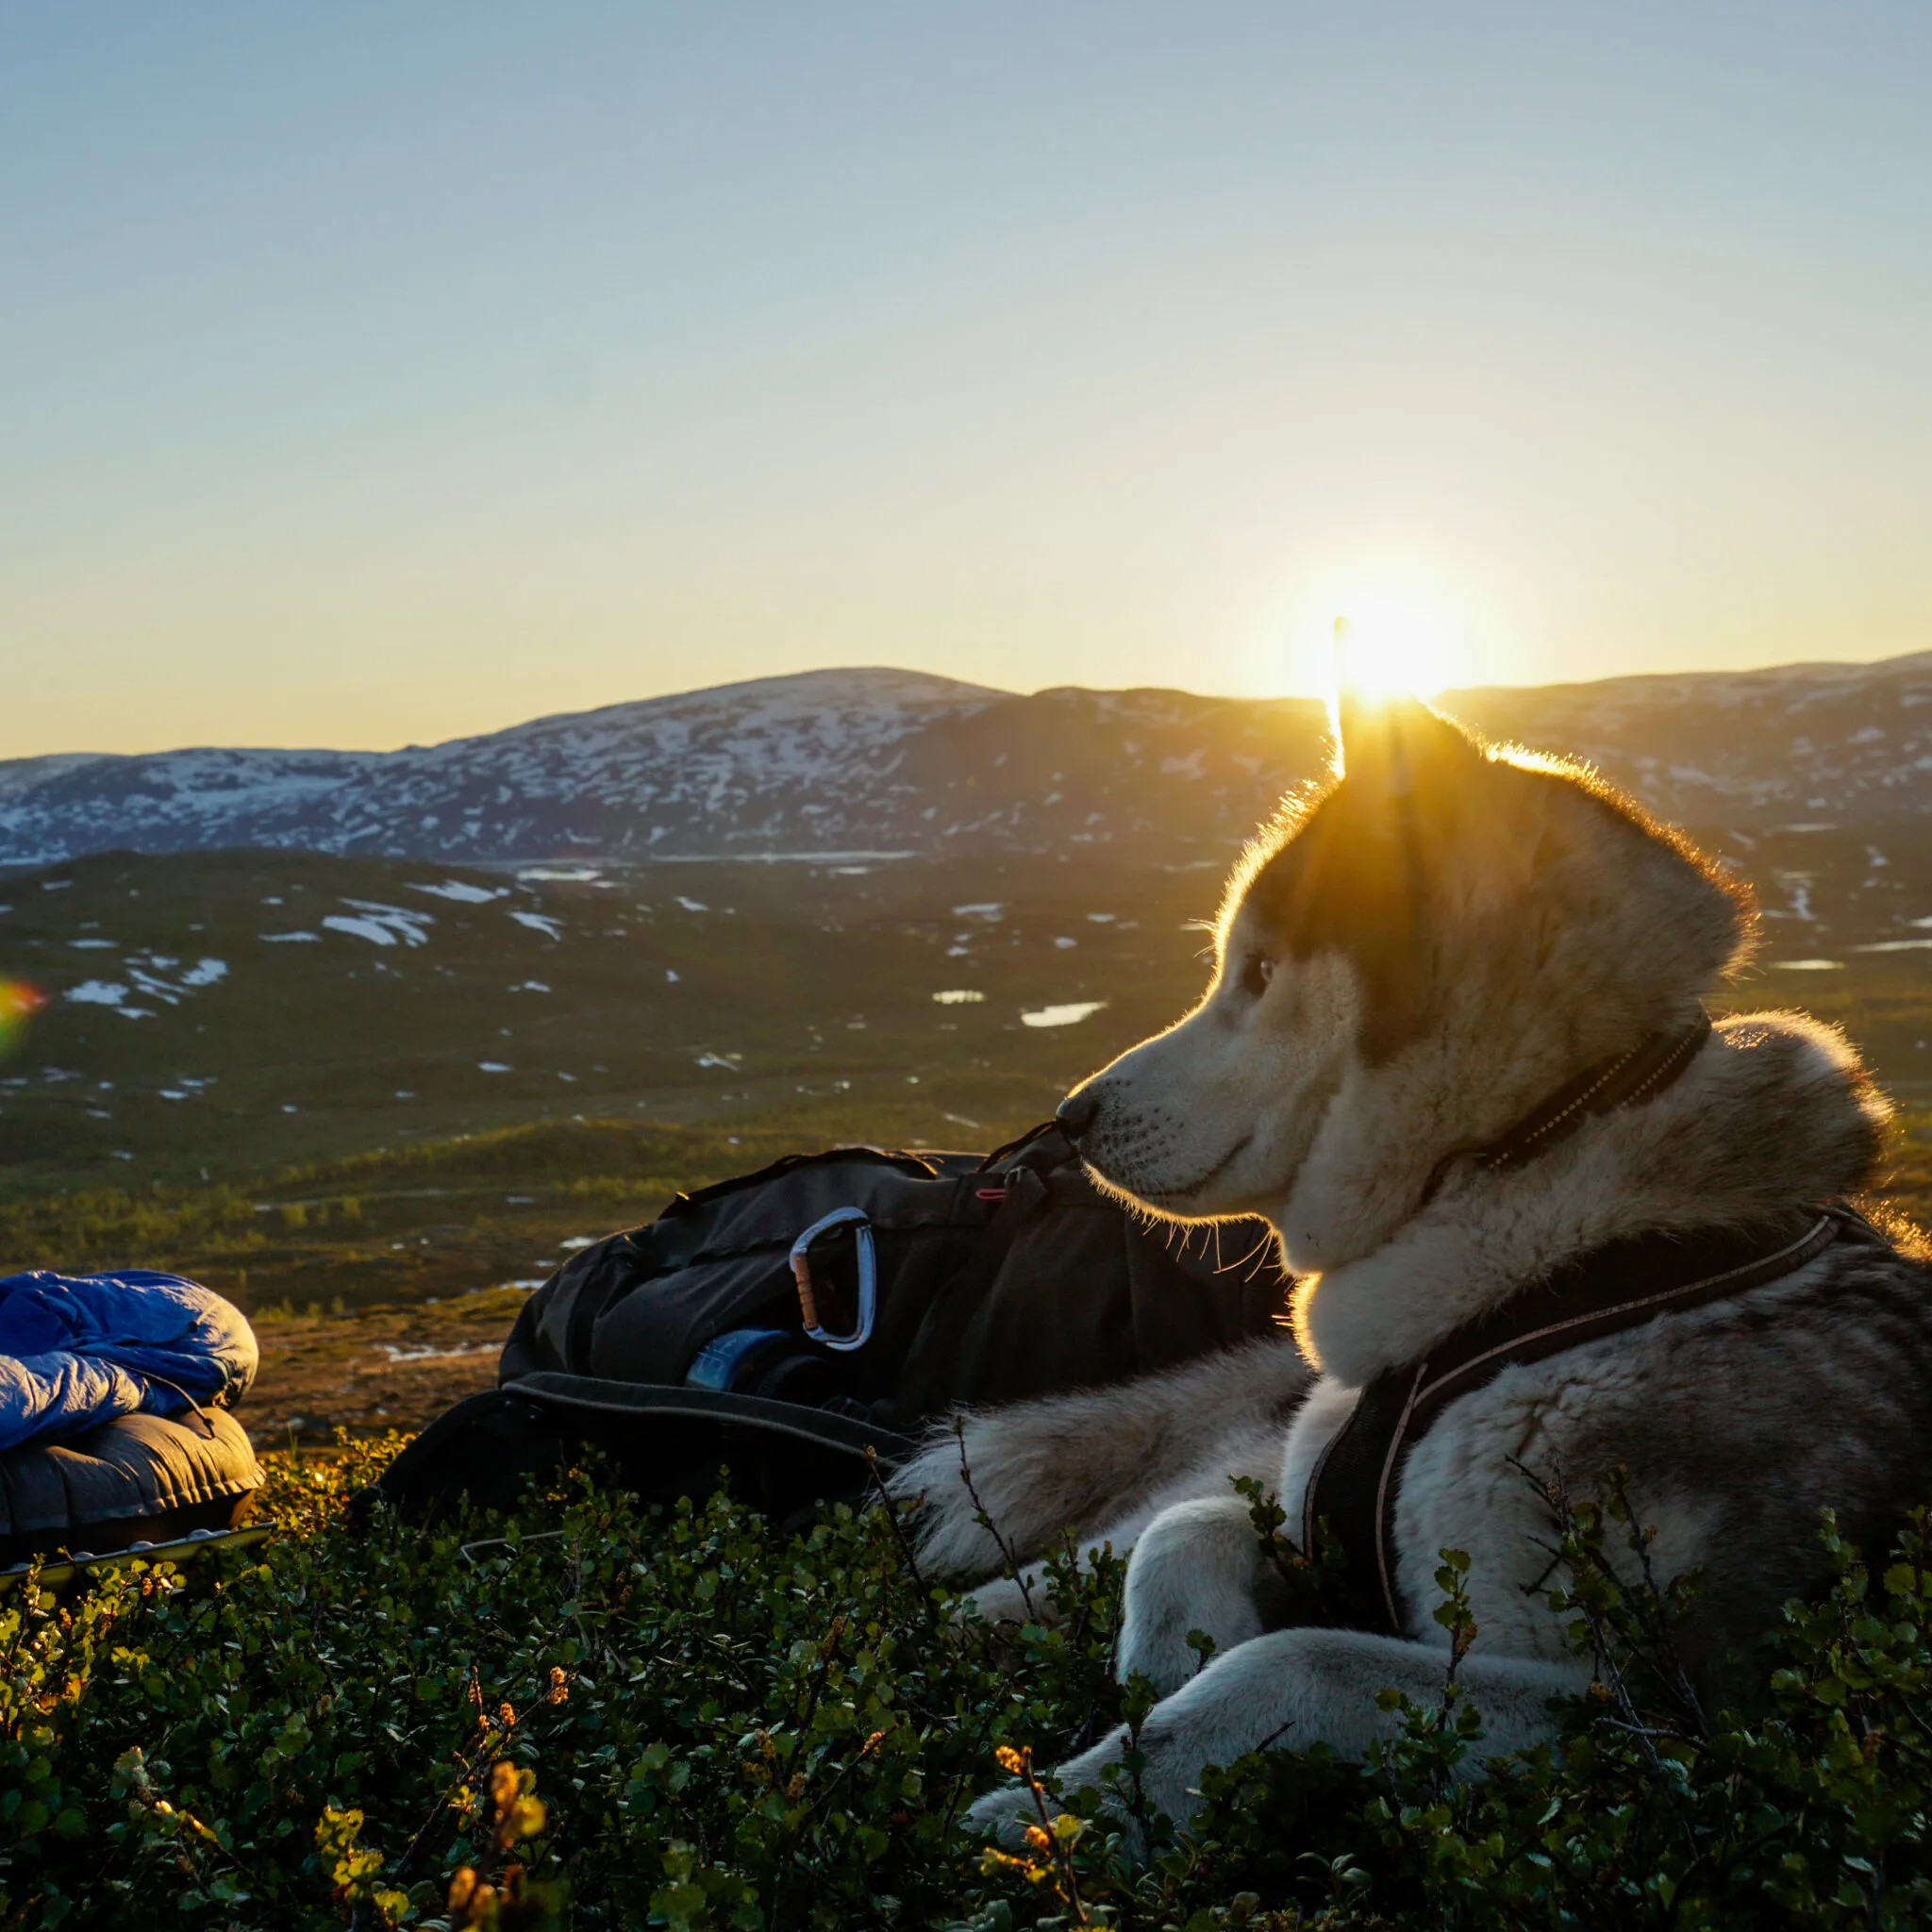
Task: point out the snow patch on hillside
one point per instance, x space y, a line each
380 925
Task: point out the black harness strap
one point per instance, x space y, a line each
1621 1285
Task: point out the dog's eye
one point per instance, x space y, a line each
1256 974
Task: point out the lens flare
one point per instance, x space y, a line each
19 1002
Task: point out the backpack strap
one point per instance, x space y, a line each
646 1402
1621 1285
914 1166
925 1376
1013 1180
1059 1154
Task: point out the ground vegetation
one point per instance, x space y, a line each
603 1715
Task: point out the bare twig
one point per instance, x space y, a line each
1041 1836
899 1536
1647 1608
982 1516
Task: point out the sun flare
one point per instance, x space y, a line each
1385 648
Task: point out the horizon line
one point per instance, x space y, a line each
1784 666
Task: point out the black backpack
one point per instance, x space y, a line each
792 1324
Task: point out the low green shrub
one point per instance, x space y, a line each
602 1715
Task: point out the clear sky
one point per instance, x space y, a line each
373 372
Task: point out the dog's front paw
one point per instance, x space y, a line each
1005 1815
1002 1815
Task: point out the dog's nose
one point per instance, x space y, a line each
1075 1112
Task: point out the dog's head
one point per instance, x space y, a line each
1405 962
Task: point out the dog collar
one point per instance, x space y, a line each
1627 1080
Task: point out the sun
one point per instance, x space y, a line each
1388 648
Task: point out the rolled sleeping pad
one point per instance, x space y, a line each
137 1479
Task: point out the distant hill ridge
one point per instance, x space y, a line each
880 760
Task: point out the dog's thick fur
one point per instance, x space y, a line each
1408 961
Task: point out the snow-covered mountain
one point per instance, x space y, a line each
882 760
1796 741
712 770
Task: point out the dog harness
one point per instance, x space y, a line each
1621 1285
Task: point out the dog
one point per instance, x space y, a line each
1409 960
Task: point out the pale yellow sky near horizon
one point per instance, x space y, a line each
398 376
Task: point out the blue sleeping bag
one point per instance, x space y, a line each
77 1350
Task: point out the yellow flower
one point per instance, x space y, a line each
465 1894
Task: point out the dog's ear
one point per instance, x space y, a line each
1398 749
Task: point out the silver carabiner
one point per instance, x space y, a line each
867 1277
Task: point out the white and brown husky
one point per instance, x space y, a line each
1455 1053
